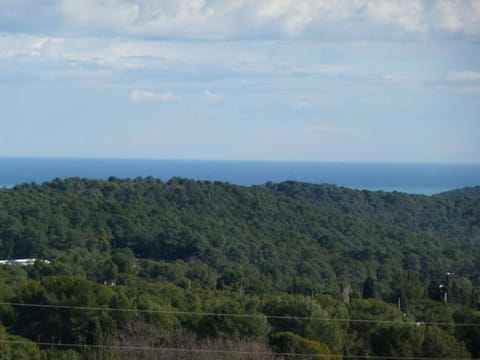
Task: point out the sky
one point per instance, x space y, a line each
293 80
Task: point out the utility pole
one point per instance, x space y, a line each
444 287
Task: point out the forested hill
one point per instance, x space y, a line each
281 236
471 192
157 270
449 217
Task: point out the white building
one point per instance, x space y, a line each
23 262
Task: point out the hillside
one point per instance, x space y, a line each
186 250
470 192
318 236
447 218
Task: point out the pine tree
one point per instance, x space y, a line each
369 288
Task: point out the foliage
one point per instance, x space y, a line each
223 267
287 342
15 347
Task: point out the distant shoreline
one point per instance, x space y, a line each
413 178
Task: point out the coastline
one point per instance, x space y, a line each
414 178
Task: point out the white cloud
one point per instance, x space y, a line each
251 19
325 70
470 90
100 13
246 82
302 104
409 15
117 61
28 46
392 78
212 97
124 54
397 79
464 76
458 16
167 18
293 18
139 96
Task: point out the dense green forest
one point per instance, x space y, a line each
471 191
149 269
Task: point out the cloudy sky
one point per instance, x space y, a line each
310 80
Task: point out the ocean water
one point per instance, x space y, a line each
410 178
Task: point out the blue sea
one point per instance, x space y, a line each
424 179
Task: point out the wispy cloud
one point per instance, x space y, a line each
212 97
302 104
124 55
330 69
30 46
470 90
140 96
464 76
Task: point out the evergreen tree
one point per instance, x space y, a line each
369 288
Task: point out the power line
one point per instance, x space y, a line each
229 352
196 313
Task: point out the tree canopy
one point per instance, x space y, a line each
277 258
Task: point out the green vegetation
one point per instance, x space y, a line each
471 192
281 260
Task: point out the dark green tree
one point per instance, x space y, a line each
369 291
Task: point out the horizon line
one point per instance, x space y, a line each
379 162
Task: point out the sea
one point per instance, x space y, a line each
413 178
